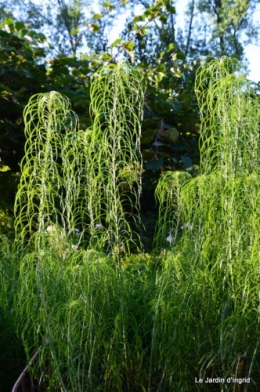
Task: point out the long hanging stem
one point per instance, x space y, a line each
114 152
39 200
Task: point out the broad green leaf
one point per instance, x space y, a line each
160 76
147 136
28 37
19 25
97 16
162 68
116 42
163 18
151 10
8 21
74 31
171 46
181 55
108 5
172 135
186 161
40 37
171 9
129 46
154 165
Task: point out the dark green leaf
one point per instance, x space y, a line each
154 165
186 161
19 25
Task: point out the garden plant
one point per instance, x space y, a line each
76 284
208 303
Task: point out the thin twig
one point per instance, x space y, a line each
24 372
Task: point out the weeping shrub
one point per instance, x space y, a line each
114 156
208 302
90 179
43 198
70 301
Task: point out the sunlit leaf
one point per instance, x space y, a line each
129 46
8 22
106 56
171 46
138 18
74 31
97 16
116 42
4 168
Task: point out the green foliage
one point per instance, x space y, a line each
12 356
65 178
219 28
71 77
114 173
103 345
229 140
8 184
169 221
23 76
20 77
212 271
148 321
39 200
65 182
